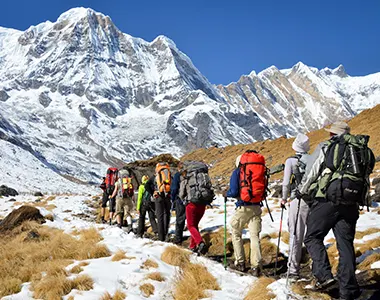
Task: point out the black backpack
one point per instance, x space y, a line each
351 163
296 177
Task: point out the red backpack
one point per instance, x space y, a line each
111 179
253 177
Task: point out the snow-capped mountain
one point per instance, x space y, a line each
80 95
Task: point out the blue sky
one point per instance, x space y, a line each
226 39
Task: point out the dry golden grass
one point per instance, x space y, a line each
82 283
192 282
10 286
149 263
157 276
49 217
368 261
368 245
76 269
119 255
360 234
259 290
91 235
299 289
175 256
216 238
147 289
333 255
331 241
50 198
268 250
23 259
119 295
285 237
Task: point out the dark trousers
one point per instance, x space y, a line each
194 214
163 205
146 207
324 216
180 212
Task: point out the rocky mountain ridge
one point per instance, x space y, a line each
79 95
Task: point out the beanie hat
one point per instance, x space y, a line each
339 128
301 143
144 179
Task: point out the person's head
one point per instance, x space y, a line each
338 128
301 143
180 166
237 162
144 179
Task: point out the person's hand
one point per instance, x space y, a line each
283 202
299 195
225 193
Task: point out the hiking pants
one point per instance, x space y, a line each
104 199
251 215
146 207
341 219
180 212
124 206
194 214
163 216
295 260
112 204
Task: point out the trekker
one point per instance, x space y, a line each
158 186
180 209
196 192
103 186
111 178
124 193
145 205
294 170
336 183
249 192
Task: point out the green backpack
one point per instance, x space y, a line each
351 162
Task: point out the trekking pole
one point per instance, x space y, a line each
292 245
278 243
225 233
270 214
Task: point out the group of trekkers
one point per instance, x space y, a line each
322 191
188 192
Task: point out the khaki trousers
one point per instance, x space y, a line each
251 216
124 206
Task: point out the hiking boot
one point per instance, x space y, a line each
110 222
194 250
238 267
254 272
202 248
129 229
119 225
177 241
103 221
316 285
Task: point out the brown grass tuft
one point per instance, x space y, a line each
331 241
76 269
91 234
285 237
106 296
149 263
299 289
216 238
49 217
119 255
268 250
50 251
360 234
82 283
192 282
368 261
157 276
333 255
10 286
147 289
119 295
175 256
259 290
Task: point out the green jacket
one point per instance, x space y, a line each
140 194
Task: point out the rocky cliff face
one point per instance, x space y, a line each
79 95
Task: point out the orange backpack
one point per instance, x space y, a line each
253 177
163 177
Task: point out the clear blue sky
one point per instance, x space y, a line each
226 39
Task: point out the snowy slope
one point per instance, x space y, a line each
80 95
127 274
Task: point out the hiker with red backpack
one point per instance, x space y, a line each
295 167
110 180
248 185
124 193
158 186
196 192
103 186
335 185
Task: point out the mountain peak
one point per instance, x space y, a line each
340 71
